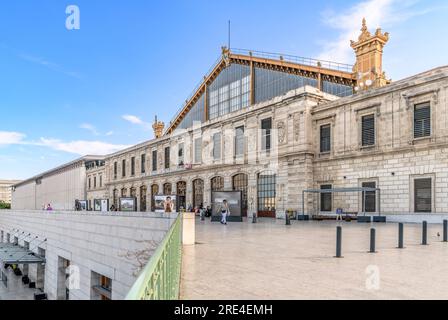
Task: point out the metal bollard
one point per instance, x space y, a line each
338 242
372 240
445 230
254 218
400 236
425 233
287 219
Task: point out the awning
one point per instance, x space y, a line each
15 254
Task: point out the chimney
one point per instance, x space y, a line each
369 58
158 127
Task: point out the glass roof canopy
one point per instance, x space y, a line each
15 254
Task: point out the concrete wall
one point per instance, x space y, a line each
60 189
108 244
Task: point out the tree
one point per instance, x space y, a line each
4 205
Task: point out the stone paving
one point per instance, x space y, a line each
269 260
15 290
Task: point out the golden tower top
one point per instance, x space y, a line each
369 58
158 127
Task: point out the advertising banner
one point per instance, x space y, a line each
165 203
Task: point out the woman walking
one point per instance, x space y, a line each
225 211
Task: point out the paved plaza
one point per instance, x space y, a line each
269 260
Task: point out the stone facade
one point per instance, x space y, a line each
393 162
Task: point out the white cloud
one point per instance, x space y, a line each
378 13
136 120
10 137
81 147
49 65
89 127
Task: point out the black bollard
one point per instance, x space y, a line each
254 218
287 220
338 242
425 233
400 236
445 230
372 240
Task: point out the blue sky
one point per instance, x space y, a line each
64 93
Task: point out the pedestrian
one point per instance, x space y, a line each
339 214
112 208
202 212
225 211
49 208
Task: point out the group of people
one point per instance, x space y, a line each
47 207
206 212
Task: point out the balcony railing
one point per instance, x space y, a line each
160 279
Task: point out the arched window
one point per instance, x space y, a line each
266 191
143 190
167 190
154 192
181 188
198 192
133 192
124 193
240 183
217 184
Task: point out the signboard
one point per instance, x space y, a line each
128 204
165 203
101 205
81 205
234 200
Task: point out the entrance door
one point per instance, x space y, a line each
198 193
239 183
266 192
181 188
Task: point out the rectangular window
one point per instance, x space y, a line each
90 183
115 169
101 181
198 150
180 154
94 182
132 166
167 157
123 168
423 195
422 120
266 126
154 160
214 104
325 138
217 146
370 197
239 141
368 130
325 198
143 163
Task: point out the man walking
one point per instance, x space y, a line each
225 211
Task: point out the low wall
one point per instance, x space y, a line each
415 217
115 245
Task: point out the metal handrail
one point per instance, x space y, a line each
160 279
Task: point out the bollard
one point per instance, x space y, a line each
287 220
254 218
424 233
445 230
338 242
400 236
372 240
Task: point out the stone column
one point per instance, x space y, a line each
188 229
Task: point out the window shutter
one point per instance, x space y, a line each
368 130
325 138
422 120
423 195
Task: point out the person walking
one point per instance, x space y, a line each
225 211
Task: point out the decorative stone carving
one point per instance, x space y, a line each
281 128
296 126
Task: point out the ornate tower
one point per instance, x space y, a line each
158 127
369 58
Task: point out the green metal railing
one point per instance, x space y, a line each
160 279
